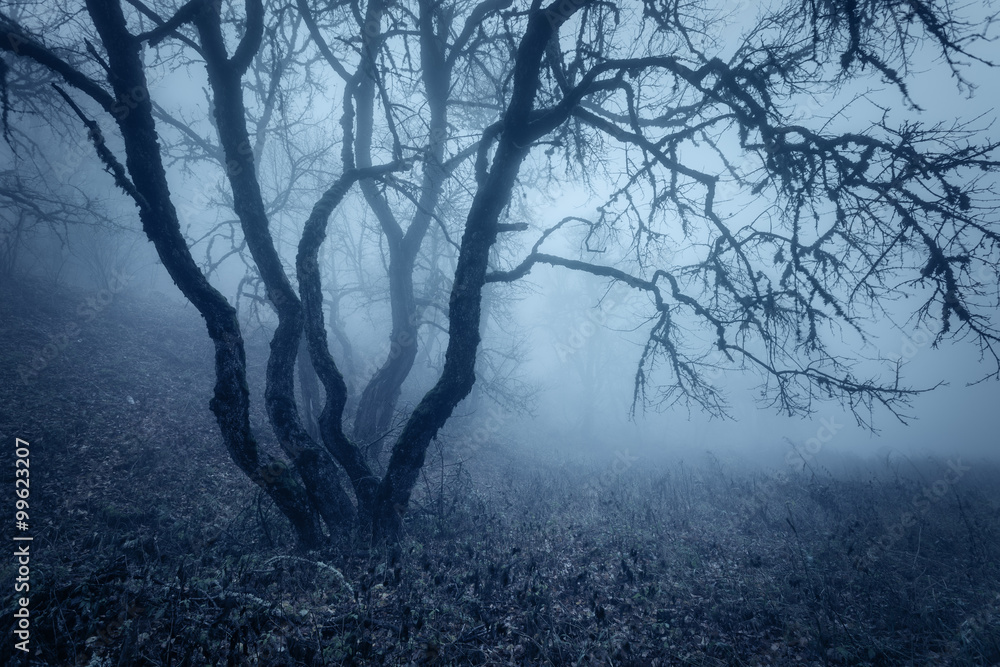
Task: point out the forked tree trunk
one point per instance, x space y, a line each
313 463
384 502
377 406
464 316
459 373
231 402
346 452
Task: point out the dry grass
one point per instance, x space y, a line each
153 550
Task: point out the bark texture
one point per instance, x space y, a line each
231 402
225 74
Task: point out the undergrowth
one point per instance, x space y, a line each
151 549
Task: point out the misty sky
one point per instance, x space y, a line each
954 418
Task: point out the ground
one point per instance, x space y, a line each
150 548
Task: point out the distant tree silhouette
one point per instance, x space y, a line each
762 236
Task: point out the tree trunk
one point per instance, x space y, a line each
231 402
378 400
347 454
225 75
459 373
309 388
373 417
481 227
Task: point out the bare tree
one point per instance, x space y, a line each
47 205
687 125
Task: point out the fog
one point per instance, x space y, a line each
579 361
509 333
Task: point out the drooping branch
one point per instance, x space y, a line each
686 372
15 40
856 172
111 163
